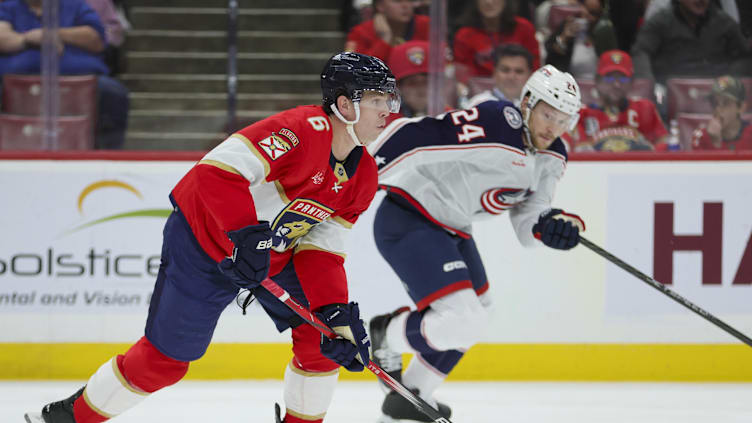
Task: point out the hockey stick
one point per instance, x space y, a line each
661 287
314 321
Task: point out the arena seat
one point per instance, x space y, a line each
688 95
22 95
26 133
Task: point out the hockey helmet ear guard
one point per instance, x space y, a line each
559 89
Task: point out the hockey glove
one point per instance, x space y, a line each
344 319
558 229
251 256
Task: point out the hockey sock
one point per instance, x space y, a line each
427 371
395 334
308 394
107 394
125 380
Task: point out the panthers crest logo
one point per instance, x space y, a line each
295 221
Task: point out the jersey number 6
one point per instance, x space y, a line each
468 131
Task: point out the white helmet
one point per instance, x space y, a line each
557 88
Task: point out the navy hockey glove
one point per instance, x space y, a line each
558 229
344 319
249 264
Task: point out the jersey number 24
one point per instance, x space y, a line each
468 131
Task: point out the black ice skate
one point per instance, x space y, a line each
56 412
277 418
388 360
397 409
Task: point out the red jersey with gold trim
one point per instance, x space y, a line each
638 121
282 170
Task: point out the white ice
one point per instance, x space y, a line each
359 402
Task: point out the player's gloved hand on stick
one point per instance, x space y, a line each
251 256
558 229
345 320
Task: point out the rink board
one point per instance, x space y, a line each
81 240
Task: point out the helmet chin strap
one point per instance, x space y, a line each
349 124
527 136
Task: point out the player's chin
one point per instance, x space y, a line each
542 142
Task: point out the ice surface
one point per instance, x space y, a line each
359 402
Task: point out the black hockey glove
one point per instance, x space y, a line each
344 319
558 229
251 256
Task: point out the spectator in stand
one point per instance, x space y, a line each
393 23
409 64
615 122
691 38
114 32
627 17
80 44
725 130
485 25
576 45
514 64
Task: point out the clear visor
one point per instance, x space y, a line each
381 101
558 121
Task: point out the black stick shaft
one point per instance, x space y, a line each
661 287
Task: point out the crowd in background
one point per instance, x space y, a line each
639 63
90 34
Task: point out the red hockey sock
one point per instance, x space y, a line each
82 413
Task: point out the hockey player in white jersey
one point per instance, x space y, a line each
441 175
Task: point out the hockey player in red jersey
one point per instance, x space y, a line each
275 199
441 175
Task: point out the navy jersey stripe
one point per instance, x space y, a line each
456 128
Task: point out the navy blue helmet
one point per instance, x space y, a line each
350 74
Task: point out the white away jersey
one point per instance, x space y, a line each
468 165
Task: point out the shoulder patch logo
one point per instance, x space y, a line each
274 146
290 136
513 117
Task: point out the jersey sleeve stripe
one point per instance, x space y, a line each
234 152
303 247
281 192
342 222
557 155
215 163
449 148
255 151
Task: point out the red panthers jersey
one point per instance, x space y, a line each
639 119
743 142
282 170
473 48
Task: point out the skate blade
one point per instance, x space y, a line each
33 418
